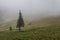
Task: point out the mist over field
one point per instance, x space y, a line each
29 19
31 9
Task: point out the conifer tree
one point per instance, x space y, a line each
20 22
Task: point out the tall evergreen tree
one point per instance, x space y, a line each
20 22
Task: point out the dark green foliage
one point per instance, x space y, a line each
20 22
10 28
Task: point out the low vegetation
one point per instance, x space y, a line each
47 29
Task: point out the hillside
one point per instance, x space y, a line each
45 29
44 33
45 22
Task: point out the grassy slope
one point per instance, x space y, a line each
49 31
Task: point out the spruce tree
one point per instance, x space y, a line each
20 22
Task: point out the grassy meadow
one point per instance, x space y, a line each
45 29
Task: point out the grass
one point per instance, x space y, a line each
41 30
48 33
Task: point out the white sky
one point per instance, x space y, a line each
29 8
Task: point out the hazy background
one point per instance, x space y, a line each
31 9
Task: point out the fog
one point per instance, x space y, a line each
31 9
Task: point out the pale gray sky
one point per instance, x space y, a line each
29 8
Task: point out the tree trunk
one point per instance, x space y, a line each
19 29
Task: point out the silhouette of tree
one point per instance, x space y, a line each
20 22
10 28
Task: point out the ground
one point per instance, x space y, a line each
47 29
